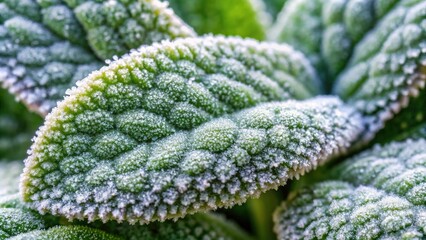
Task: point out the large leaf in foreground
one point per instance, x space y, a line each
373 49
19 222
46 46
174 129
113 28
379 194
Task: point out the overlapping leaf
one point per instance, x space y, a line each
46 46
174 129
17 127
245 18
379 194
19 222
374 49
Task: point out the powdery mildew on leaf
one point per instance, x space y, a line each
244 18
160 133
17 127
373 49
19 222
46 46
379 194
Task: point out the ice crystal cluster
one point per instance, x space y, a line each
171 130
378 194
374 49
48 45
20 222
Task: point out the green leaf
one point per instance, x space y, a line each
378 194
175 129
47 46
115 27
245 18
372 49
19 222
17 127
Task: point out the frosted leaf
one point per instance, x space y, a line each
17 127
9 172
47 46
41 57
378 194
146 168
19 222
125 142
114 27
372 49
327 31
245 18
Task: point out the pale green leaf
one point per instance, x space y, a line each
180 127
373 50
378 194
46 46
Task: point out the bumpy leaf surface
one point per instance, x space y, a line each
43 44
171 130
245 18
9 173
17 127
114 27
19 222
374 49
379 194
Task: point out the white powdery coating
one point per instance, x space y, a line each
379 194
160 133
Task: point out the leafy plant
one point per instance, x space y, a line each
176 125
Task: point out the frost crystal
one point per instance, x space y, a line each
374 49
43 44
379 194
174 129
19 222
